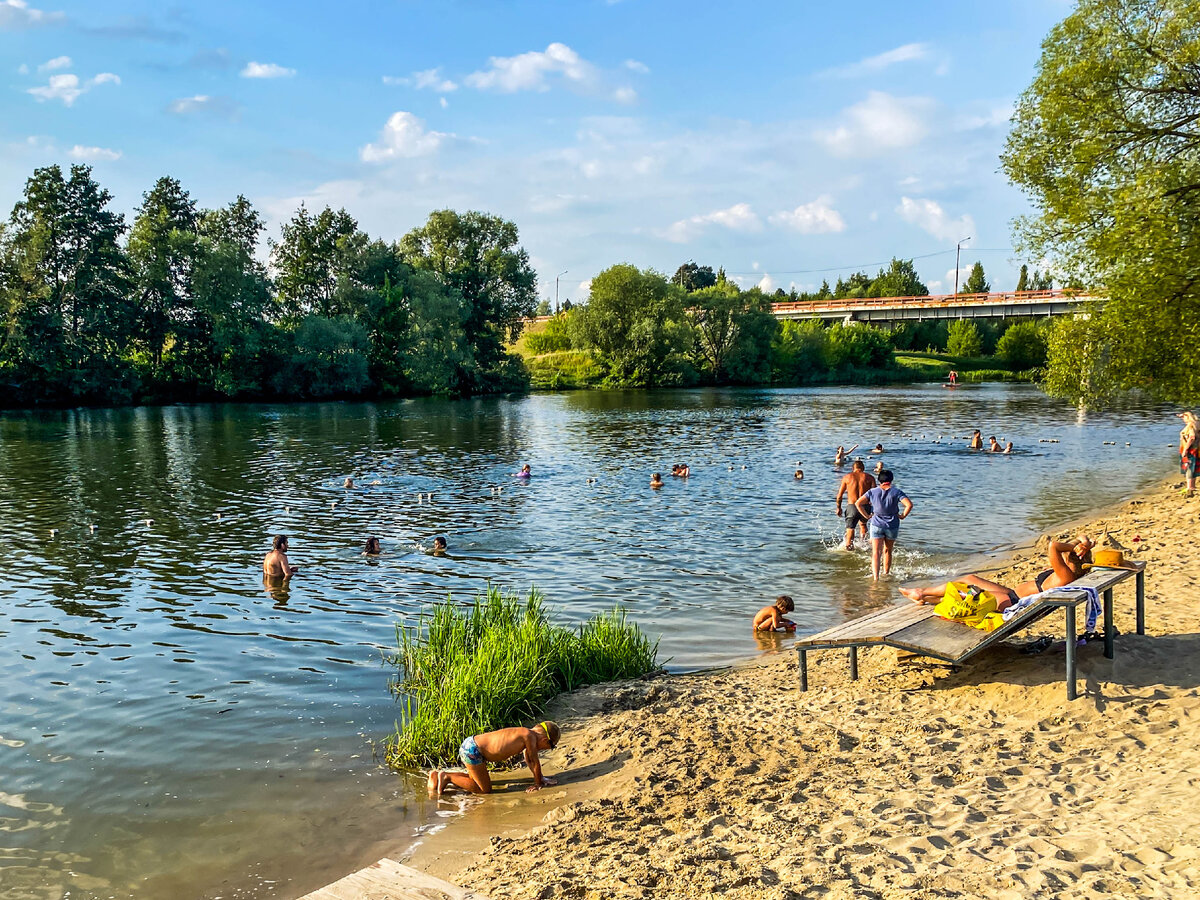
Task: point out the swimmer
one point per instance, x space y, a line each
275 563
373 548
842 454
524 473
348 484
878 448
976 440
994 445
439 544
799 476
656 480
1008 447
682 470
879 467
771 618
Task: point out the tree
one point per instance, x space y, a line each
635 320
478 255
692 277
309 260
1040 282
976 282
1023 279
64 283
1023 346
857 285
963 339
162 246
1105 141
733 331
898 280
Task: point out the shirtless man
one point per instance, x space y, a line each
275 563
976 440
854 484
496 746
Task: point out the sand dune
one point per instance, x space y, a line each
914 782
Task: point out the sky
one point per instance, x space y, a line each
786 141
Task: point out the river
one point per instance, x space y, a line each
171 728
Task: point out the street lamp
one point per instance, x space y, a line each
957 257
556 277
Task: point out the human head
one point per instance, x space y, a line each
280 542
657 476
879 446
373 545
885 476
977 431
551 731
1083 548
439 543
1189 418
784 603
841 449
1008 446
525 468
858 466
993 439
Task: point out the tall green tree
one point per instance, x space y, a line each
478 255
692 277
963 339
64 282
900 279
635 319
1106 143
1023 279
162 249
976 282
310 258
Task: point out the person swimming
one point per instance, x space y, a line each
994 445
656 480
524 473
842 454
878 448
799 474
976 440
1008 448
439 544
373 547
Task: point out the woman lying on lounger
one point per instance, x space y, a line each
1066 564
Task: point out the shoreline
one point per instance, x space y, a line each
665 753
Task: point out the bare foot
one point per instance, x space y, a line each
913 594
437 782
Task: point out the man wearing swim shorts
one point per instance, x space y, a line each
854 484
496 746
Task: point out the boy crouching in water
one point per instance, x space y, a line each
771 618
497 746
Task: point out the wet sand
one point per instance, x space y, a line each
915 781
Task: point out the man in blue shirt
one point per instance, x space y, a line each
888 505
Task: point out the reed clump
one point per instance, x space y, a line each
496 662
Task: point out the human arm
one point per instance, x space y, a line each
288 568
841 493
535 765
905 507
863 505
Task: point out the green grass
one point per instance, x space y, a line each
564 370
936 367
495 663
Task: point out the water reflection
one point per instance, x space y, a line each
161 690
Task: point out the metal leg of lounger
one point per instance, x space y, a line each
804 670
1109 630
1070 611
854 664
1141 602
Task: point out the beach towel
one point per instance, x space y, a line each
1092 610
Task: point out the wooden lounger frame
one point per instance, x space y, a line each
915 627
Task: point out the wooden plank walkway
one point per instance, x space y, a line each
389 880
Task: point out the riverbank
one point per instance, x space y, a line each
914 781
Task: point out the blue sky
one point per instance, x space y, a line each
771 138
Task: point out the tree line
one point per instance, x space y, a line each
178 305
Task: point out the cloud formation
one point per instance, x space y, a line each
879 124
403 137
17 14
425 80
534 70
68 88
266 70
59 62
220 106
881 61
929 216
739 217
91 153
818 217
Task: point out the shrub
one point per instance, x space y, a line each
1023 346
496 663
963 339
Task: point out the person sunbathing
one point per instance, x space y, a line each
1066 565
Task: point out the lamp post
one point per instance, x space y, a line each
556 277
957 257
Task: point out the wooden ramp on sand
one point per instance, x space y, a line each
389 880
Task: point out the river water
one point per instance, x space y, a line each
171 728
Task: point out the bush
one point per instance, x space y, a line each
1023 346
963 339
554 338
495 664
860 346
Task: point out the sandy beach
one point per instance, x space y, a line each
916 781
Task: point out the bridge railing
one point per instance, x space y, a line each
934 301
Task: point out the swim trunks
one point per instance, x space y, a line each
853 517
469 753
1187 463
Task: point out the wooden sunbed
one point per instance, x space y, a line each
915 628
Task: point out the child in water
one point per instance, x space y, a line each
496 746
373 547
771 618
524 473
799 474
439 544
656 480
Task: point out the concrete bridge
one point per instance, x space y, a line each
1002 305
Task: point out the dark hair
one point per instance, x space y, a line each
657 476
885 477
279 542
439 542
993 438
784 602
858 464
373 545
879 446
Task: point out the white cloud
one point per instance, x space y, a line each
444 103
634 66
68 88
16 14
879 124
432 80
881 61
739 217
22 69
532 72
995 117
403 137
81 152
963 274
266 70
929 216
59 62
818 217
766 284
203 103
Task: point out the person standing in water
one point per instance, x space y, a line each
976 440
842 454
888 506
853 486
275 563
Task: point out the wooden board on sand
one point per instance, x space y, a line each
389 880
